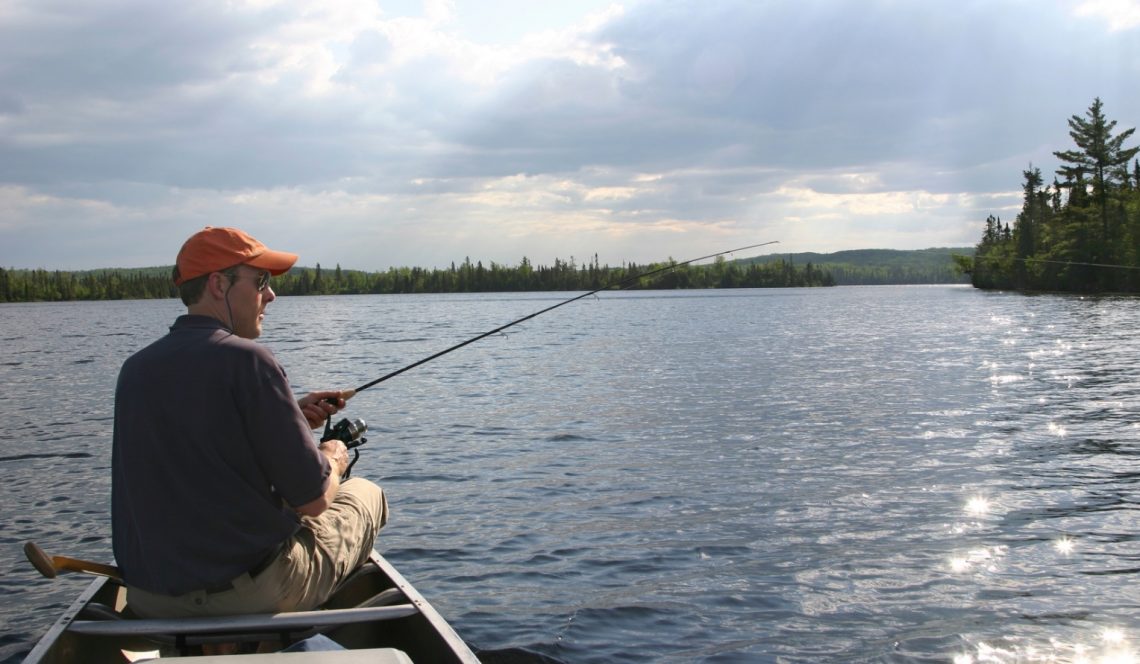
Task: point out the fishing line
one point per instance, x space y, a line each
621 285
1045 260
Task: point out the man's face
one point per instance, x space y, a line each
248 295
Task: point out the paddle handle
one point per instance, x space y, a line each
64 563
50 566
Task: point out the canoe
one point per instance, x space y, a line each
375 616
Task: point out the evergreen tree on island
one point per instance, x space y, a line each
1080 234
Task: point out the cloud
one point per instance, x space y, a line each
371 137
1120 14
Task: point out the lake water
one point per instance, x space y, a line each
901 474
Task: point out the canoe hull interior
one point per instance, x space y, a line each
411 625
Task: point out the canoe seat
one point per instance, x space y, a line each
367 656
257 622
99 619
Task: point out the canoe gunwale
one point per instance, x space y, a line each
43 647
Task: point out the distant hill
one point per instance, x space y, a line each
880 266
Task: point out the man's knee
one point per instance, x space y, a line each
367 497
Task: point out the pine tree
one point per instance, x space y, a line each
1027 225
1103 157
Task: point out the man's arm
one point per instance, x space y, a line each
337 455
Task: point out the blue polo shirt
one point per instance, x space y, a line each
210 454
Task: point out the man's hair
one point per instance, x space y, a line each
191 290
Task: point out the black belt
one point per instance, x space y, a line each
252 572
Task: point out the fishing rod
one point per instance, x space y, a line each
621 285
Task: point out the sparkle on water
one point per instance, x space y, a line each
1109 646
1064 545
978 506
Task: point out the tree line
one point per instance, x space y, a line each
873 267
879 275
1082 232
467 277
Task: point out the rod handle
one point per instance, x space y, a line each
344 394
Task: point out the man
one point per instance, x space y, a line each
222 503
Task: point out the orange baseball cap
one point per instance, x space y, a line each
214 249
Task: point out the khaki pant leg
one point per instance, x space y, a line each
314 561
340 539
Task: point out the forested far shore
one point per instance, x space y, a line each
1079 234
18 285
879 267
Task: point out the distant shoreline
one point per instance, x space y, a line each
844 268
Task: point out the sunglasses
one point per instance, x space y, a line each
262 279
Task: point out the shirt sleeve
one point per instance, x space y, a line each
279 435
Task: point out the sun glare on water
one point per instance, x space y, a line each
1105 645
1113 648
978 506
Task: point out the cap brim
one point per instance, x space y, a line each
276 262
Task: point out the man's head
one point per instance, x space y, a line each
217 261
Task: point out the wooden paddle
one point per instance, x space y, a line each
50 566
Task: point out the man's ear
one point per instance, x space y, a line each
217 284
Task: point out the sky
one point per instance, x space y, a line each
371 134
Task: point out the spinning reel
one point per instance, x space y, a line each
349 432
